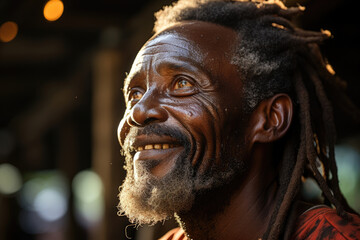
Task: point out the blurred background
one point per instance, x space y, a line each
62 63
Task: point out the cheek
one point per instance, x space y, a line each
235 136
198 115
123 129
202 120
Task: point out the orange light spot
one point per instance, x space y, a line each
53 10
330 69
8 31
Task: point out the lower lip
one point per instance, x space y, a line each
164 159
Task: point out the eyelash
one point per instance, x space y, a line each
180 78
184 91
132 92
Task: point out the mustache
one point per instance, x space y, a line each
158 130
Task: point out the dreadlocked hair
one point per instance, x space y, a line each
274 56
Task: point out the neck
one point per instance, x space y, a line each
239 210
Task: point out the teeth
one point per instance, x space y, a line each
155 146
148 147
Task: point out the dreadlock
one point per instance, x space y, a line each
274 56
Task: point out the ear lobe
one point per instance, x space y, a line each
271 119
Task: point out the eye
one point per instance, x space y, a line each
182 83
136 95
184 86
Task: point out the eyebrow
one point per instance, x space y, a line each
156 45
128 79
179 64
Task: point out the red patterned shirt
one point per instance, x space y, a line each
322 223
317 223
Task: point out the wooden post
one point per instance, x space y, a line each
106 109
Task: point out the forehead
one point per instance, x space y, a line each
199 44
168 47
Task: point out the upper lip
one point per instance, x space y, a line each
144 140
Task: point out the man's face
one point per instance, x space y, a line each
183 129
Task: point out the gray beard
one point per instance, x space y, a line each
148 200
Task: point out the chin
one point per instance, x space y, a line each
148 199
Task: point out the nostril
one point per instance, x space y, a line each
133 123
149 120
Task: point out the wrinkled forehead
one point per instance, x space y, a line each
172 42
169 44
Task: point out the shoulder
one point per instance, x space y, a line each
322 222
174 234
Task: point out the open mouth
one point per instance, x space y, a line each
160 152
157 146
157 154
157 151
154 142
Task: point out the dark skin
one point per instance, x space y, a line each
184 78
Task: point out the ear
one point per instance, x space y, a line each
271 119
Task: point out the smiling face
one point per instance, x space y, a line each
183 130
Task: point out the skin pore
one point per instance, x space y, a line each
188 140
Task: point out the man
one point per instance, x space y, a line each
227 110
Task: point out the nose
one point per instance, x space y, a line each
147 110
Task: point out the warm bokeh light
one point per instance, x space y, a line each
53 10
8 31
